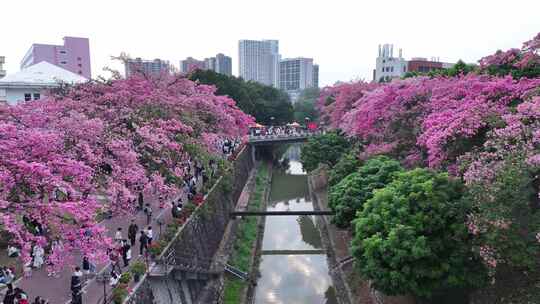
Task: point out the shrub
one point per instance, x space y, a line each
347 164
119 294
323 149
411 237
125 278
138 268
350 194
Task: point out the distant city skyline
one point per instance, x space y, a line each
345 44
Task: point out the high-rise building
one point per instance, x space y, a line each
190 63
259 61
388 66
297 74
2 71
73 55
147 67
315 75
219 64
210 63
223 64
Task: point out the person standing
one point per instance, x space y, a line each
150 235
148 212
143 239
132 232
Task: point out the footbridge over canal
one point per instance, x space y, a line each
277 139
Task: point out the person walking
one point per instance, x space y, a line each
126 253
140 201
148 212
76 286
132 232
118 235
38 253
150 235
143 240
115 259
86 265
9 297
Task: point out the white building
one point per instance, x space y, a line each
2 71
259 61
33 82
388 66
297 74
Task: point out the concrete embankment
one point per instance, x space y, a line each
200 247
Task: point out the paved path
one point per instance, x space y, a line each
57 290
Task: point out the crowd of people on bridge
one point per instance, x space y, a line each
290 129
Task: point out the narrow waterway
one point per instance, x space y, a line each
294 269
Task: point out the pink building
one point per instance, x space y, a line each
73 56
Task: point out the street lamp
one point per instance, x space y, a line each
104 278
272 120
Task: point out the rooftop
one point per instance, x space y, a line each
41 74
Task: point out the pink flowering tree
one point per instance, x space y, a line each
108 139
502 178
335 101
524 62
481 127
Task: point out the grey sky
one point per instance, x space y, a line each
341 35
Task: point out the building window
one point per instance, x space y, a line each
80 72
63 52
63 62
80 65
79 58
27 96
37 96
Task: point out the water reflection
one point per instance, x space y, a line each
295 278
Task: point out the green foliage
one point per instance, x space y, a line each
245 239
411 236
323 149
258 100
347 164
349 195
138 268
508 205
119 294
125 278
305 105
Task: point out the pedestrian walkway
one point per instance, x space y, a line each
57 290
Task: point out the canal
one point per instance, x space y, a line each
293 266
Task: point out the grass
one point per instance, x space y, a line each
245 240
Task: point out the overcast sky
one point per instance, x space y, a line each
341 35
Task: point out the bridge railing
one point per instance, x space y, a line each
283 136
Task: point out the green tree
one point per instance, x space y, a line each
305 105
349 195
411 237
347 164
323 149
258 100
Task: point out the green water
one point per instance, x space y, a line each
292 278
